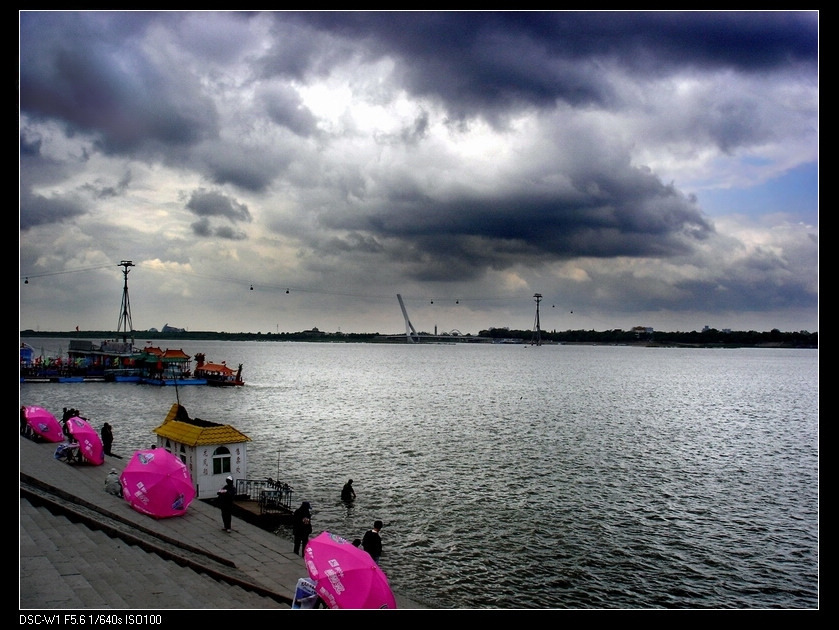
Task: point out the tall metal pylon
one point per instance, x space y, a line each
409 327
125 326
537 331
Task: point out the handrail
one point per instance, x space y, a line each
272 496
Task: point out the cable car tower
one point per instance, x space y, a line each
125 326
536 340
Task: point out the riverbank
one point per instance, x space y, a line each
83 549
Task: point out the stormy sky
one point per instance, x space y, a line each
279 171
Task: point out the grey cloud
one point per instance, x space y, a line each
210 203
37 209
284 106
108 88
578 102
629 213
484 63
30 144
251 168
228 233
104 191
204 229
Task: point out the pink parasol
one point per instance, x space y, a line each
345 575
157 483
44 424
90 444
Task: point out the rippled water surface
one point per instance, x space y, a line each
513 476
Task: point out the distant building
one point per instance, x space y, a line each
171 329
643 331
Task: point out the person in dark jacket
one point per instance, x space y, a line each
107 438
347 492
225 500
372 541
302 526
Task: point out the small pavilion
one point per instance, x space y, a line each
211 451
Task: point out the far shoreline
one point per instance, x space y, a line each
709 338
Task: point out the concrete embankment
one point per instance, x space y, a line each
82 548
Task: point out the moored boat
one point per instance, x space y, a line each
118 362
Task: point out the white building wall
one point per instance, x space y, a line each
206 483
199 461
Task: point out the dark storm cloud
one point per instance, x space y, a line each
484 63
606 210
101 83
550 151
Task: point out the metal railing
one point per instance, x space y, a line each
272 496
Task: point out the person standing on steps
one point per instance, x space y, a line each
372 541
107 438
302 527
225 500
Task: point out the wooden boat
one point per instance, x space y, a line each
167 367
217 374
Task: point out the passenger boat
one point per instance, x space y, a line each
167 367
217 374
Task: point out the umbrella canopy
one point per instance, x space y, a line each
90 444
157 483
44 424
345 575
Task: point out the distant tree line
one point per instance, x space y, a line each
709 337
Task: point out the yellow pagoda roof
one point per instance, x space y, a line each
179 427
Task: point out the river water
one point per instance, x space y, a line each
513 476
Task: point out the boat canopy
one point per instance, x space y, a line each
219 368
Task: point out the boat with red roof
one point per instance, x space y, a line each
217 374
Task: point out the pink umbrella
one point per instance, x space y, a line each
345 575
90 444
44 424
157 483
